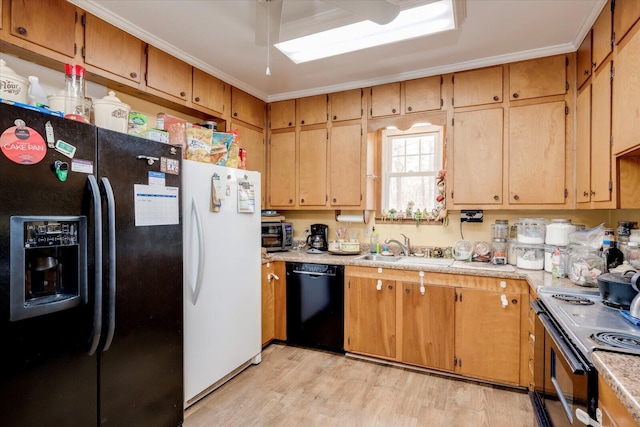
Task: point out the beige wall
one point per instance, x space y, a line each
437 235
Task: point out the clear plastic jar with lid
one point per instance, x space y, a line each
531 230
633 254
584 265
500 230
499 251
530 257
557 232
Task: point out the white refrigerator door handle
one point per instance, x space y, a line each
198 283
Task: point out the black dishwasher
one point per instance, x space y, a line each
315 306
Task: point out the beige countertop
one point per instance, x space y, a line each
620 371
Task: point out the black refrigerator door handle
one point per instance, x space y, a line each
97 307
111 259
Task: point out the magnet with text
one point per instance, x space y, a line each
22 144
65 148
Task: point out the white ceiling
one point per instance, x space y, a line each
218 36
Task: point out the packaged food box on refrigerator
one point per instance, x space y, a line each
137 124
176 127
220 143
198 144
157 135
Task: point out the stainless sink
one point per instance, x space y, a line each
377 258
412 260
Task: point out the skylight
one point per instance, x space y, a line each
409 24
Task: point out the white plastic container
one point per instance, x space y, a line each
37 95
530 257
549 261
110 113
557 232
12 86
531 230
634 236
57 103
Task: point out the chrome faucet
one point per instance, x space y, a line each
405 248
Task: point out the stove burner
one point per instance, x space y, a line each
617 339
573 299
615 305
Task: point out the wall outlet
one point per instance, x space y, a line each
472 215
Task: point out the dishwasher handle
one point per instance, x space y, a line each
311 273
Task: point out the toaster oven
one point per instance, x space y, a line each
277 236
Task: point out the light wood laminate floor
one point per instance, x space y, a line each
299 387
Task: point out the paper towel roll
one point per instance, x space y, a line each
358 219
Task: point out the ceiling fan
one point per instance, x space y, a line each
269 14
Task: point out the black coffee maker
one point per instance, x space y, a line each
318 240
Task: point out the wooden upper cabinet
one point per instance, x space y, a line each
538 77
584 59
112 50
385 100
312 110
168 74
477 157
47 23
312 170
625 112
601 179
477 87
422 94
602 37
209 92
253 141
282 170
346 166
282 114
625 15
583 146
346 105
537 154
247 108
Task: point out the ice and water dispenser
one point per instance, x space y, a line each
48 265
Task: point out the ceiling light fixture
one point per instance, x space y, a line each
411 23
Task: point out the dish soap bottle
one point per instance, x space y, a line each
374 243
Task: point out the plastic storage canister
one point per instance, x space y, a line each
74 91
548 256
584 264
499 251
634 236
557 232
530 257
633 254
500 230
531 230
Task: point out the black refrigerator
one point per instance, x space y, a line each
90 275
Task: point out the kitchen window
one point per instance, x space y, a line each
411 161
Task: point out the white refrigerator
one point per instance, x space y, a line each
222 308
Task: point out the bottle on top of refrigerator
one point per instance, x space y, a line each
36 94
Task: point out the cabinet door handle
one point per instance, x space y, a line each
585 194
390 287
22 31
407 290
290 124
235 114
183 93
301 122
516 197
496 197
301 200
393 110
335 200
515 95
335 117
586 72
496 98
197 99
290 201
133 75
409 109
593 193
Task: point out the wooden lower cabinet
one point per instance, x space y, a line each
268 308
614 413
467 325
488 335
280 300
372 316
427 325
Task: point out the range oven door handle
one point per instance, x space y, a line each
576 366
97 282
